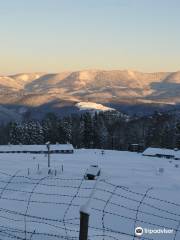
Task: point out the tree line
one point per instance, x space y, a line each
104 130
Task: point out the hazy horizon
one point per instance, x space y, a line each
66 35
85 69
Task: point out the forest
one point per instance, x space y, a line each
103 130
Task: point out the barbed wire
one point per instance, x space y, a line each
138 207
75 191
176 230
69 205
104 212
29 201
141 194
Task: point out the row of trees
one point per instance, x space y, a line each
101 130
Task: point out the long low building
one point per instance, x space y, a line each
53 148
162 153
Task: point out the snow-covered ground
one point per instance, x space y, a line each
133 190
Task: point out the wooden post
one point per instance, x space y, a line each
84 221
85 213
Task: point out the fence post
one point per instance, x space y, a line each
84 221
84 214
48 153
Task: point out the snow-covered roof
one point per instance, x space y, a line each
67 146
93 170
6 148
162 151
154 151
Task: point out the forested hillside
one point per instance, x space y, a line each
107 130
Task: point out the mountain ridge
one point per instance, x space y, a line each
107 87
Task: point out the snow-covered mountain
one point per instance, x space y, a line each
110 88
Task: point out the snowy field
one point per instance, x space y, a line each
133 190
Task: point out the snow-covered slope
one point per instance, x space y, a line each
24 78
97 86
90 106
18 81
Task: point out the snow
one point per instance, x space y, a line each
93 170
93 106
154 151
86 207
49 204
162 151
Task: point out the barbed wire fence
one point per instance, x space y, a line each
48 208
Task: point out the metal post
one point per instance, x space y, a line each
84 221
48 156
48 148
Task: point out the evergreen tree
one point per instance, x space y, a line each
88 131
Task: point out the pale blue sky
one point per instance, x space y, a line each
58 35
